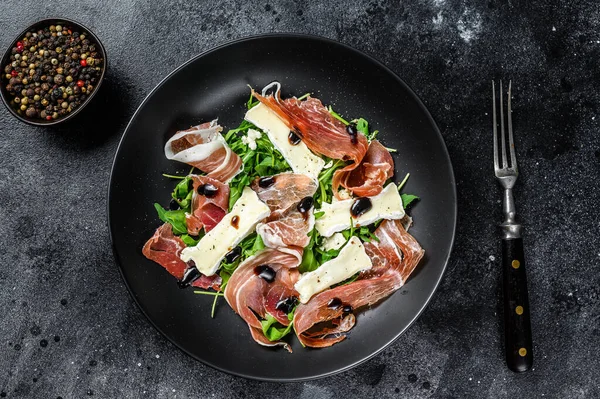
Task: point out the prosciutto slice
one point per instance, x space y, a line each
286 226
164 248
318 129
252 297
368 178
205 148
207 212
394 258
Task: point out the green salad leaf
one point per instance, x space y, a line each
274 330
174 218
325 191
408 199
265 160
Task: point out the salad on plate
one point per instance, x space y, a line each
292 217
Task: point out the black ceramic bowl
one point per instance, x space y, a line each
7 98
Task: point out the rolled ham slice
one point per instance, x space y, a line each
205 148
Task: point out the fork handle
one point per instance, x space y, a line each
517 325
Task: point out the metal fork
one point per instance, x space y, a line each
517 325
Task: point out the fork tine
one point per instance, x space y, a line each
503 138
511 143
496 166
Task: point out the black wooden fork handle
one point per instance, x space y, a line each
517 325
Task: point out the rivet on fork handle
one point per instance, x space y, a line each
517 324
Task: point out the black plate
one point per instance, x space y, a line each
215 84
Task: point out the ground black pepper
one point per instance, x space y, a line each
51 72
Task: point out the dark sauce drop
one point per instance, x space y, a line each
351 129
265 272
173 205
190 275
347 309
360 206
266 182
287 304
208 190
294 139
334 303
305 205
232 255
235 221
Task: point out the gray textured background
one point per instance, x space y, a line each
60 285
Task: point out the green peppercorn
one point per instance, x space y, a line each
84 56
59 50
25 81
23 92
44 102
17 100
55 115
36 97
69 78
23 107
58 28
32 49
43 114
64 104
90 61
54 61
24 58
31 66
8 76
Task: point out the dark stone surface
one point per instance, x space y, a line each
68 327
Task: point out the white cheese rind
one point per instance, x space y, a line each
211 249
298 156
336 241
351 260
386 205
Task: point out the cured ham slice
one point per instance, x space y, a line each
164 248
394 258
207 210
283 191
252 295
368 178
291 230
205 148
318 129
206 282
286 226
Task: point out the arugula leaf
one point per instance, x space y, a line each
251 104
325 191
183 193
189 240
265 160
309 261
174 218
274 330
337 116
408 199
319 215
256 246
363 126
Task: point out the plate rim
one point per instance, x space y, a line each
429 118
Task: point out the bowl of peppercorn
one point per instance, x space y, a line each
51 71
